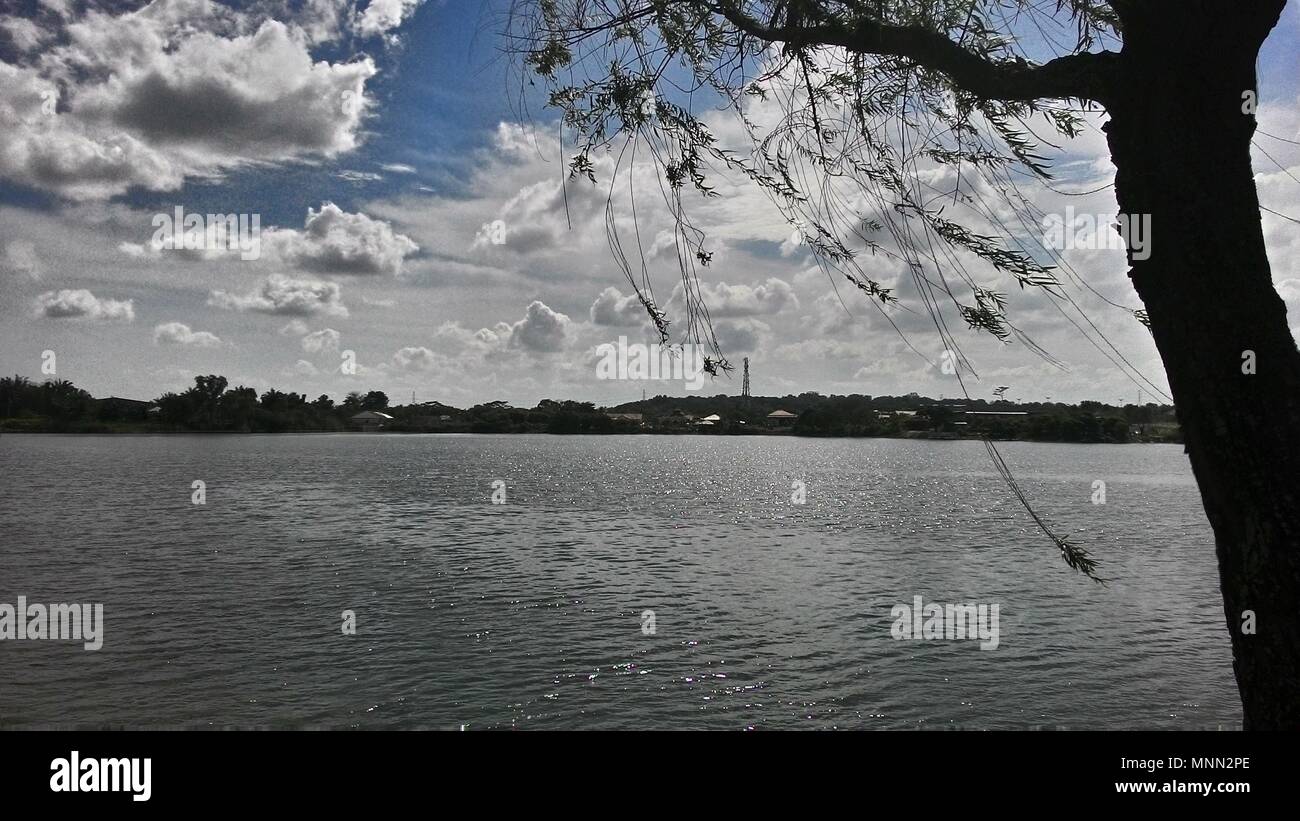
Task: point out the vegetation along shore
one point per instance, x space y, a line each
211 405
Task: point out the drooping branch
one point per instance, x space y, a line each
840 142
1083 75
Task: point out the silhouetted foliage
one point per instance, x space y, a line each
210 406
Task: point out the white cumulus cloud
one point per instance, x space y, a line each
175 89
384 15
285 296
178 333
82 304
322 340
726 300
336 242
542 329
614 309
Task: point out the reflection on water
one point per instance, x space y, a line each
530 614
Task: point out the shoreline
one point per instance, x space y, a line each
211 406
913 436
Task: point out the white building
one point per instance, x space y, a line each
781 418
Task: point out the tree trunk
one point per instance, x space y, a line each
1180 131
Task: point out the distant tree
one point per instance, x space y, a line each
60 399
276 400
15 393
175 409
204 400
940 417
239 408
210 387
812 422
375 401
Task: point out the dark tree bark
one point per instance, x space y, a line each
1179 134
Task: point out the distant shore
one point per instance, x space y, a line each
96 430
212 406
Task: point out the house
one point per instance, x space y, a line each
634 418
710 420
369 421
781 418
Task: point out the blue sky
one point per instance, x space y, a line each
377 220
439 94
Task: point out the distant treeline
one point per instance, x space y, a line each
915 415
211 405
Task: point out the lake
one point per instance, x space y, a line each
532 613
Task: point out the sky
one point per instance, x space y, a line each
415 219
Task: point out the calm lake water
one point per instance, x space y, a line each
529 614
